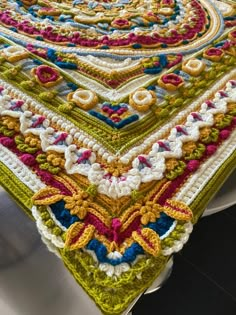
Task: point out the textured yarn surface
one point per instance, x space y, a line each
117 126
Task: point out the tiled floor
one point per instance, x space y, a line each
203 281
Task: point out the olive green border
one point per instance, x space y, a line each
18 191
22 195
213 186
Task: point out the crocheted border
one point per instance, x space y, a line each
22 195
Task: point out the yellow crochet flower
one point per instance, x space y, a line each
14 53
150 212
77 204
46 76
85 99
56 159
193 66
142 99
32 141
11 123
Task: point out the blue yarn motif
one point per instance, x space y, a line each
101 253
63 215
113 124
161 226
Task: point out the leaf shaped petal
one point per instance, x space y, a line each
149 240
47 196
79 235
177 210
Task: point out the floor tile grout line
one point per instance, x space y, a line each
209 278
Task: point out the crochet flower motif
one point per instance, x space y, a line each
85 99
14 53
11 123
150 212
193 66
46 76
170 81
142 99
174 168
213 54
56 159
52 162
135 226
77 204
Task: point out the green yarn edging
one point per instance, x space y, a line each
213 186
114 300
18 191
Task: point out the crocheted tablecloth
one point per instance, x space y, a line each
116 128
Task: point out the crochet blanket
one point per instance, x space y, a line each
117 126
